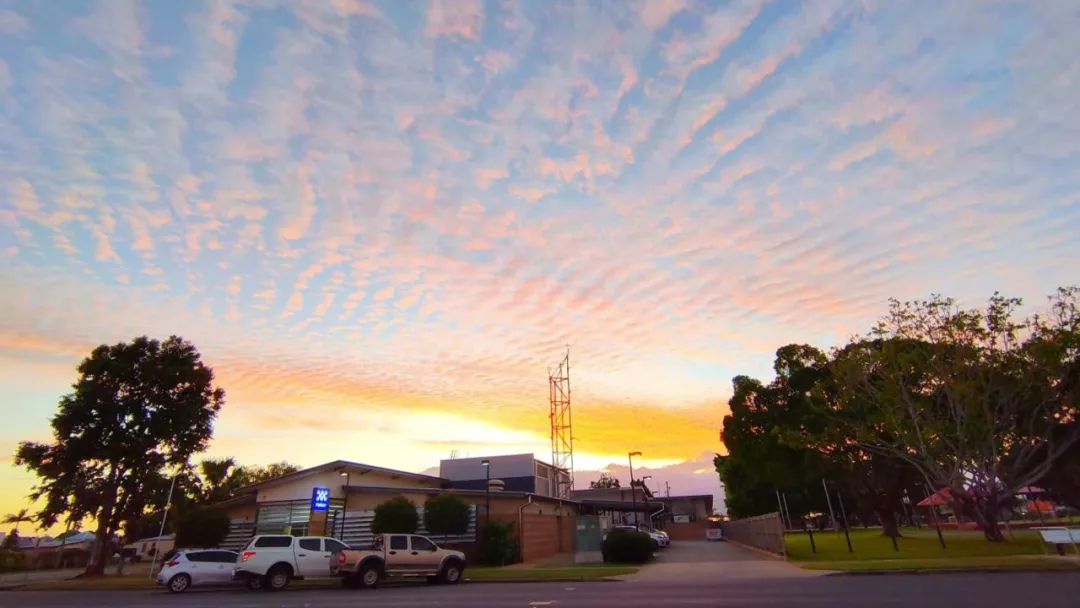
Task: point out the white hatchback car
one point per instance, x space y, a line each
191 567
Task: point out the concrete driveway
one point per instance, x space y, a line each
698 560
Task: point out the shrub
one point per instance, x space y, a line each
446 514
12 561
498 547
627 547
395 516
202 527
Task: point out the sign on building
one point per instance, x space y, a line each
320 499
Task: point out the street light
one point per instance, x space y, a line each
345 502
633 493
487 490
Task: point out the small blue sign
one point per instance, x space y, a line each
320 499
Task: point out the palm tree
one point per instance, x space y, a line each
18 518
215 478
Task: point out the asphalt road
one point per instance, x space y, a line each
1048 589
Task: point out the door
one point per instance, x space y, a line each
223 562
424 553
311 558
200 569
398 558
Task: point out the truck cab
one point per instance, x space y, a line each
398 555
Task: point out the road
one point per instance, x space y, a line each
1048 590
689 574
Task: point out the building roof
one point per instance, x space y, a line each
351 467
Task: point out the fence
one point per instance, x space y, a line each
765 532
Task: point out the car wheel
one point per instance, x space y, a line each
451 573
254 582
278 578
179 583
370 576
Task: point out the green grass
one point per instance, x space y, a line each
561 573
985 563
920 550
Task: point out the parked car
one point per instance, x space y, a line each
192 567
660 539
399 555
271 561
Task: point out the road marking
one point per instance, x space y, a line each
543 603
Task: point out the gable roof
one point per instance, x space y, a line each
352 467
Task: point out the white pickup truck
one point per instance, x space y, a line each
271 561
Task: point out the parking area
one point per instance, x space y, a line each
689 560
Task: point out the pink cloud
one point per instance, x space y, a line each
455 18
655 14
485 177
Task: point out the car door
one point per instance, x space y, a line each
398 559
311 559
199 568
424 553
224 562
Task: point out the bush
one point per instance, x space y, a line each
498 547
12 561
627 547
395 516
446 514
202 527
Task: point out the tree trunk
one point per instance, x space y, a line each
983 511
99 551
889 526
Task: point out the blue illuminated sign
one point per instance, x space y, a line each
320 499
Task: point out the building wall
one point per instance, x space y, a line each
513 465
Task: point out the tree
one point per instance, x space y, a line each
11 541
202 527
977 401
395 516
446 514
20 516
136 408
606 481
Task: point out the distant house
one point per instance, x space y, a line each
147 548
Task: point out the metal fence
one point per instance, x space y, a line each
765 532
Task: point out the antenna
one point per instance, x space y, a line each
562 437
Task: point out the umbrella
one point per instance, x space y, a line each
937 499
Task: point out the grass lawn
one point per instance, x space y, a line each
562 573
920 550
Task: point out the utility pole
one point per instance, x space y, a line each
667 489
164 516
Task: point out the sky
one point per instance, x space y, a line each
383 222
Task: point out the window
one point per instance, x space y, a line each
419 543
274 541
198 556
541 471
311 544
334 546
399 543
222 557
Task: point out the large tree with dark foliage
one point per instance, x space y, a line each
978 401
136 408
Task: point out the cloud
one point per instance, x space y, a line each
13 23
458 18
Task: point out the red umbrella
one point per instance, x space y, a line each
937 499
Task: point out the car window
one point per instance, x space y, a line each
273 541
399 542
198 556
222 557
311 544
419 543
334 546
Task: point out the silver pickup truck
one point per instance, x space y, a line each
398 555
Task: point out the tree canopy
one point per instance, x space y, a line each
446 514
606 480
202 527
979 401
136 408
395 516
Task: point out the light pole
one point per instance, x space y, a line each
644 496
344 503
161 532
487 490
633 492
